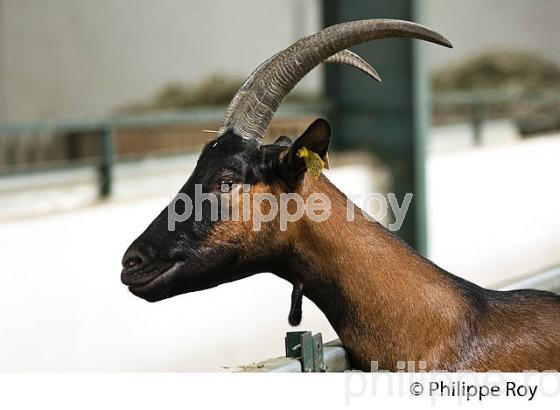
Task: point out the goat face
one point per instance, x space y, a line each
206 248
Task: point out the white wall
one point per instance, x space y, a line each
66 58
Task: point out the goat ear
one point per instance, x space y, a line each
315 140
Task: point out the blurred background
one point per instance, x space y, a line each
102 107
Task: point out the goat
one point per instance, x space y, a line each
385 301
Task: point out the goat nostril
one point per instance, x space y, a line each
133 259
132 262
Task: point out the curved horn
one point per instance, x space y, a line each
259 97
354 60
342 57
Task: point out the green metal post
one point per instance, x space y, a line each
422 111
107 162
308 348
391 118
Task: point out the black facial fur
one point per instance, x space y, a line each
162 263
149 258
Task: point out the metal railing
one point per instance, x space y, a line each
106 128
479 104
334 359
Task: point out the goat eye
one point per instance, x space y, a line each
226 183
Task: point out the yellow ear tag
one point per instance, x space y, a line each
313 161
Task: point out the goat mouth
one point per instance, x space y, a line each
161 276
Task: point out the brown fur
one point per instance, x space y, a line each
388 304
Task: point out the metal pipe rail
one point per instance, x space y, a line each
479 103
202 114
106 128
334 356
